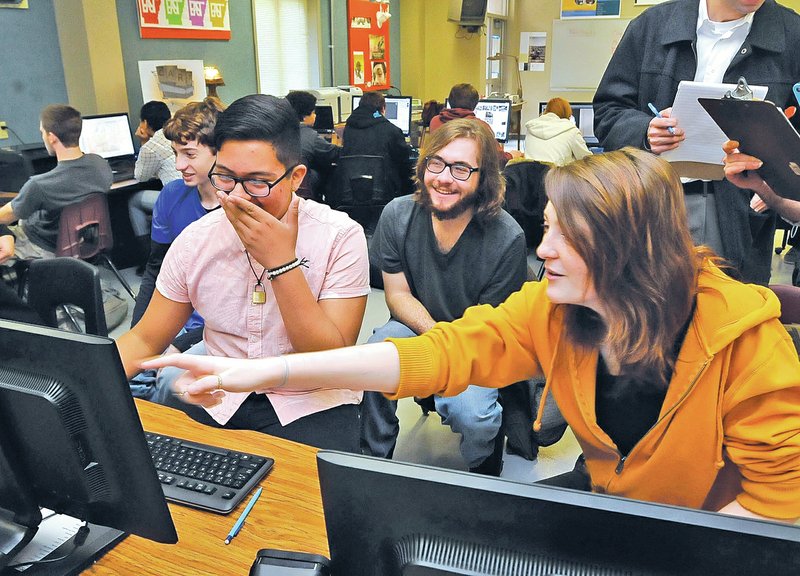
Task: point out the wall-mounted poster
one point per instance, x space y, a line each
358 68
368 41
185 19
532 51
176 82
590 8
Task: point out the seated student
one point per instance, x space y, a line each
448 247
40 201
317 153
553 137
155 160
741 170
462 99
680 383
368 131
271 274
181 202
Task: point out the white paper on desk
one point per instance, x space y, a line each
704 139
53 532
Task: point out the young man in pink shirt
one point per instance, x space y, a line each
271 274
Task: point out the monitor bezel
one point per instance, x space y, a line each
326 130
356 98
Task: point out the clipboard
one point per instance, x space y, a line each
764 132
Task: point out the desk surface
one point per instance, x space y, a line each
287 516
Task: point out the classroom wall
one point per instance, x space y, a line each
436 53
31 72
235 58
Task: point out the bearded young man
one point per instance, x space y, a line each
446 248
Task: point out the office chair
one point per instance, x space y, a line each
84 232
55 282
361 189
15 170
789 297
525 197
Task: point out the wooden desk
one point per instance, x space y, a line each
287 516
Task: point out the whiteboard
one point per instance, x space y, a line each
581 51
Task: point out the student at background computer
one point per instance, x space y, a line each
156 160
191 136
679 383
271 274
553 137
463 99
40 201
317 153
368 132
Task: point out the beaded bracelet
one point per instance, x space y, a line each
273 273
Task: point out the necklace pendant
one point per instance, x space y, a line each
259 296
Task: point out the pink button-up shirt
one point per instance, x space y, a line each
207 266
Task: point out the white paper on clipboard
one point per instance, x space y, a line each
700 154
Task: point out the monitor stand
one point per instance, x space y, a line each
99 541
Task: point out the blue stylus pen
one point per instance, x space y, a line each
238 526
655 111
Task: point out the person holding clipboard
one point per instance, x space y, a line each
742 171
710 41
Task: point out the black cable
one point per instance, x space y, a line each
10 129
77 541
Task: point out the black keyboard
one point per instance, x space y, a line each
203 476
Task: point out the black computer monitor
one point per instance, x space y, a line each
323 123
397 519
107 135
398 111
582 117
70 438
496 113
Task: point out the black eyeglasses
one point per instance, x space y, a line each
252 186
458 170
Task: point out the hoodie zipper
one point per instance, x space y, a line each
621 464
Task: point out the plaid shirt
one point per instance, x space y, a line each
156 160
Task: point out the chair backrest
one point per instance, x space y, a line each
57 281
790 302
85 228
525 197
15 170
362 182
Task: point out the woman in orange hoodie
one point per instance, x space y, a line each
680 383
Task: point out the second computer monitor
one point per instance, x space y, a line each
323 123
398 111
497 114
582 117
107 135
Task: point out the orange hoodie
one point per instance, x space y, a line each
730 424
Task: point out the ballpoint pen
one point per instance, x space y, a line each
238 526
655 111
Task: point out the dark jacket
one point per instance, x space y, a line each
319 156
656 52
368 132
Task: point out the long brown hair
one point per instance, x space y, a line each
491 190
624 214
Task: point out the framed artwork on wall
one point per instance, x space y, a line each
184 19
368 38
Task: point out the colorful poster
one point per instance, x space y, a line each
368 43
184 19
532 51
358 68
590 8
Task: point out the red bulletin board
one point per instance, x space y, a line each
368 42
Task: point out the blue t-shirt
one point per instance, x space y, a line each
177 206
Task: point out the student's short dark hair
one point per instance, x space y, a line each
373 99
463 96
63 121
195 121
155 113
264 118
303 102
